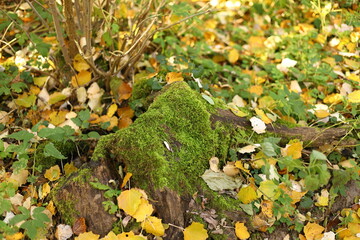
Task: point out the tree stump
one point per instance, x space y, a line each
168 148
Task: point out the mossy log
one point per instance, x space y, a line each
168 147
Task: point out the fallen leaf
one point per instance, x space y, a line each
19 178
53 173
241 231
124 91
263 116
80 64
63 232
248 148
195 231
257 125
130 236
247 194
87 236
174 77
313 231
124 122
256 89
323 199
220 181
129 201
15 236
267 208
214 164
125 112
25 100
82 78
230 169
126 179
233 56
112 109
69 168
240 166
269 189
45 190
144 210
293 149
56 97
79 226
354 97
110 236
153 226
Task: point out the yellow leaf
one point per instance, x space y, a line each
354 227
294 195
266 208
321 113
154 226
110 236
352 64
267 102
333 98
129 201
56 97
195 231
51 207
323 199
112 109
269 189
293 149
40 81
80 64
53 173
241 231
238 112
126 179
144 210
330 60
81 78
263 116
130 236
257 89
174 77
354 97
45 190
312 231
87 236
25 101
247 195
256 43
16 236
69 168
233 56
239 165
353 77
57 117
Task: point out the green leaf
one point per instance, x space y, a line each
99 186
84 115
208 99
268 149
26 101
22 135
5 205
316 155
94 134
51 151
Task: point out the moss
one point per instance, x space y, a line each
67 207
43 162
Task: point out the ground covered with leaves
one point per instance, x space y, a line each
294 63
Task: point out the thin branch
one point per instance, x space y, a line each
59 33
38 14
